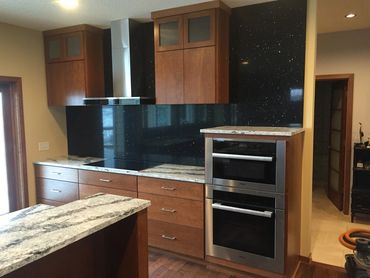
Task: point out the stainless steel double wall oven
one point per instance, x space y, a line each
245 201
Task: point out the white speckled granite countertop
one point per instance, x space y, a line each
37 231
253 130
163 171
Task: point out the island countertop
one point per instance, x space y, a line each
37 231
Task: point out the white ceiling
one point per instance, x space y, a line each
46 14
331 15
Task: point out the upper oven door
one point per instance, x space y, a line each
258 165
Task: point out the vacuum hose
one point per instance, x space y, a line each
349 238
357 264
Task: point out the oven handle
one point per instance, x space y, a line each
243 157
267 214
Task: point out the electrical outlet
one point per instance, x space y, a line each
43 146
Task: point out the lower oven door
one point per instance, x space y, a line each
246 229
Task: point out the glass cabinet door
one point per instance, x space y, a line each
73 45
168 33
199 29
54 49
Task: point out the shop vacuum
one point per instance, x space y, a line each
357 264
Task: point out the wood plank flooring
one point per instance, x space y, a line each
316 270
168 266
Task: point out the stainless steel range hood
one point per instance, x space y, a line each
127 66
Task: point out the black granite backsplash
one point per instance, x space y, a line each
267 47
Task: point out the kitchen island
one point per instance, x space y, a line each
99 236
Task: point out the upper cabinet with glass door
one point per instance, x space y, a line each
199 29
195 29
168 33
74 64
64 47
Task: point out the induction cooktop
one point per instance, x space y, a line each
124 164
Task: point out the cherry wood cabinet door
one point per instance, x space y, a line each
169 77
66 83
199 75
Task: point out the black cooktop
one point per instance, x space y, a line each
123 164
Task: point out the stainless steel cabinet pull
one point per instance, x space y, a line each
265 213
57 173
243 157
168 188
168 210
168 237
56 190
105 180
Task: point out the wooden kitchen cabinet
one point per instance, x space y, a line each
169 76
56 185
198 71
74 64
176 215
92 182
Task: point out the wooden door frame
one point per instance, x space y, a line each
347 144
17 157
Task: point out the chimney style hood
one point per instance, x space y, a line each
128 65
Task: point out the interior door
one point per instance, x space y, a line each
336 143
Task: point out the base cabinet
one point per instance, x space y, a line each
92 182
177 238
176 215
60 185
56 185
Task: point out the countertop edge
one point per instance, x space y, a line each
8 269
229 131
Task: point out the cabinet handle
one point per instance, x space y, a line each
168 188
57 173
168 237
168 210
105 180
56 190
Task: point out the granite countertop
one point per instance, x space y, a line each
163 171
253 130
37 231
175 172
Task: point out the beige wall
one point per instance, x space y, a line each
21 55
349 52
308 124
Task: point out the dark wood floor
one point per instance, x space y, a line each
167 266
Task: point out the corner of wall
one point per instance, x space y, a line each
308 124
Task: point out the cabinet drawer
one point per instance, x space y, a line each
186 190
87 190
175 210
50 202
56 173
60 191
176 238
124 182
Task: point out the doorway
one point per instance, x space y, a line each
332 167
14 188
332 138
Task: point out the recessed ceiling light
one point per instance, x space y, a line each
350 15
68 4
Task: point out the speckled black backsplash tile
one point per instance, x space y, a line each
267 50
267 47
